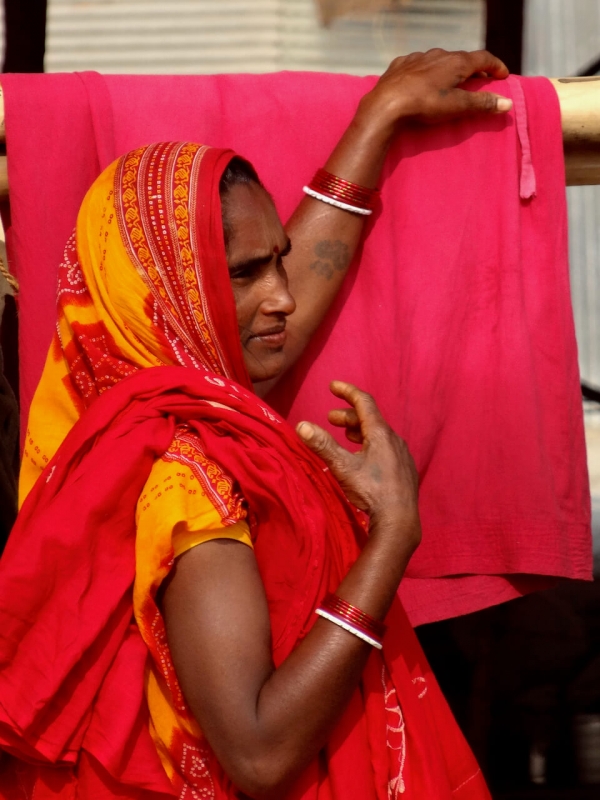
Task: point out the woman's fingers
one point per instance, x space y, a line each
344 418
365 407
354 435
323 444
347 418
460 103
362 418
484 61
486 102
455 67
359 419
449 101
423 87
344 466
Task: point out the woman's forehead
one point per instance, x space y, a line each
253 224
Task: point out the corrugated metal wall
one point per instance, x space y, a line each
207 36
158 36
561 37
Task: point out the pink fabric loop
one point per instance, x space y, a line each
527 182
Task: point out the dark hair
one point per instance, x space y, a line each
238 171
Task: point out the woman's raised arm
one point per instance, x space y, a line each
421 87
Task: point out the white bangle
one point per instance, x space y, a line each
350 628
337 203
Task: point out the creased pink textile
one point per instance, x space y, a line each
456 315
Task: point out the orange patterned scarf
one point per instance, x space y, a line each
147 251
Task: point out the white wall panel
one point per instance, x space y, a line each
561 37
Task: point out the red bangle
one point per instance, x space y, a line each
359 619
339 189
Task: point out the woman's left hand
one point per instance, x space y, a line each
424 87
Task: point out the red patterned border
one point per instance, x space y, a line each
154 187
218 486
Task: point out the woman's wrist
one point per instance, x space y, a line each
377 122
362 149
395 529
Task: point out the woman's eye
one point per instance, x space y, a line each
240 274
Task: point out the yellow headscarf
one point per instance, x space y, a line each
132 285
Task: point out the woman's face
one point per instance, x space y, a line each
256 248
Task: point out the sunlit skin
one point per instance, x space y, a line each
256 251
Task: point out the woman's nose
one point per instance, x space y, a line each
279 299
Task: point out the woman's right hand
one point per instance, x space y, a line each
381 477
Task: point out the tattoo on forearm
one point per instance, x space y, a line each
331 257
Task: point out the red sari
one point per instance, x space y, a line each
74 719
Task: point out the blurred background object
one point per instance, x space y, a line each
504 31
25 35
587 747
330 9
563 38
9 409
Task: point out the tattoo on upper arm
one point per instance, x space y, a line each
331 257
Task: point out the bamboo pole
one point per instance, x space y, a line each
579 100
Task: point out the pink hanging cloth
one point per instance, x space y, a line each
456 315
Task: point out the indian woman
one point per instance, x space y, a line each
198 601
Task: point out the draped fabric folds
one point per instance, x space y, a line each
73 617
456 315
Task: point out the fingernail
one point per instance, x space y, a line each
305 430
503 104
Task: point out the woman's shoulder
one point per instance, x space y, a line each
188 492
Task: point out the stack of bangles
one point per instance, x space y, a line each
342 194
352 619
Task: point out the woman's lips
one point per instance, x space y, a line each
273 337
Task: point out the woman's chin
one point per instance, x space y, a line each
265 368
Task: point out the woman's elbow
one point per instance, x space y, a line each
264 777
